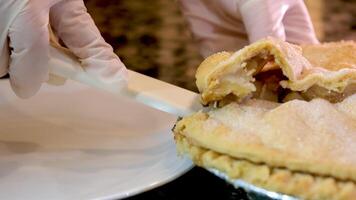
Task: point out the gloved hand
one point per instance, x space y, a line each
231 24
24 42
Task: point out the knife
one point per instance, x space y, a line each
144 89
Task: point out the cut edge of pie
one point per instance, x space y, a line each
233 75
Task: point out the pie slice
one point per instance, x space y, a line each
285 118
327 70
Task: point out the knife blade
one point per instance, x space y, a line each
141 88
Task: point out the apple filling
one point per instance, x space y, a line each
261 79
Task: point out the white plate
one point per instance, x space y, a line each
74 142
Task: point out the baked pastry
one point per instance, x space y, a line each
303 144
327 70
306 149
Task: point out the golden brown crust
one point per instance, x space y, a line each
208 66
330 66
302 185
315 137
332 56
334 67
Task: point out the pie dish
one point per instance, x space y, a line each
281 117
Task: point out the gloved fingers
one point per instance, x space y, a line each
263 18
211 33
8 11
75 27
298 25
29 41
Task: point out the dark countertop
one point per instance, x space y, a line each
152 38
195 184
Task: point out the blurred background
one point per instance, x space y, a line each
152 37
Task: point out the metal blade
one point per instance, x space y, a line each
152 92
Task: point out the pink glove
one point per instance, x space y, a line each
24 31
231 24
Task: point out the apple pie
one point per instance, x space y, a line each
281 117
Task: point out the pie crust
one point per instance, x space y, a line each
309 159
298 184
303 144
